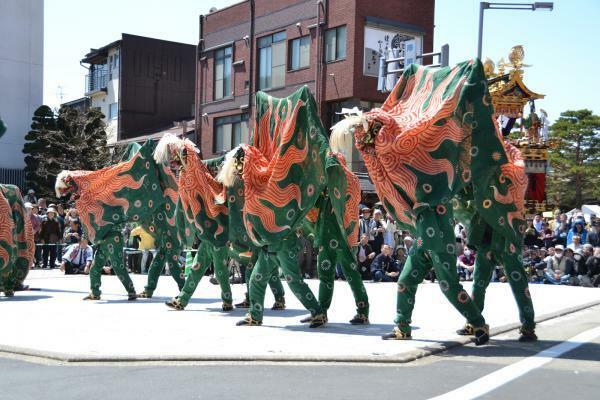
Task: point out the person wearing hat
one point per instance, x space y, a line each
73 232
364 224
559 268
49 237
30 197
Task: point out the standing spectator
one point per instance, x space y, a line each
555 223
578 229
561 233
305 257
77 258
466 264
50 236
593 236
460 232
408 242
593 267
560 268
364 223
42 206
389 233
36 225
146 245
73 232
377 230
364 257
71 215
383 267
30 197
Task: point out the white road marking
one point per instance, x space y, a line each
511 372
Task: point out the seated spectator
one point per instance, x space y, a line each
593 267
578 229
377 231
559 268
383 267
466 264
73 232
146 245
77 258
531 235
365 256
581 268
538 223
71 215
561 233
575 243
399 258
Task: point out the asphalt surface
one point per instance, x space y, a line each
573 375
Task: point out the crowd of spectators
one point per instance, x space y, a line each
563 250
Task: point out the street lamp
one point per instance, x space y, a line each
484 5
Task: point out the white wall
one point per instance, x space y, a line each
104 100
21 65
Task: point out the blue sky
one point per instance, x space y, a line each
560 45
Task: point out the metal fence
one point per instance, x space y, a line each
13 177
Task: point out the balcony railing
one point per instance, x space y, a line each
96 80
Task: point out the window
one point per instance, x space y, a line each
271 61
230 132
113 66
222 73
300 53
113 111
335 44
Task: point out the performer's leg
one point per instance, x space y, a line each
261 274
412 274
326 260
347 259
200 265
287 258
484 268
114 246
156 267
277 290
96 269
517 277
175 268
219 261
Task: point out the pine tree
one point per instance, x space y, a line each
69 140
575 160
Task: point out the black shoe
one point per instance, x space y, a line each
467 330
482 334
175 304
243 304
306 320
527 335
360 319
132 296
397 334
248 321
145 295
278 305
213 280
21 288
318 320
227 307
91 297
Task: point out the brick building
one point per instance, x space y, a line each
278 45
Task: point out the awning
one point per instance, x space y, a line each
366 184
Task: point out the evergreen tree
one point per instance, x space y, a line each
575 160
69 140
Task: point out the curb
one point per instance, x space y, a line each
401 358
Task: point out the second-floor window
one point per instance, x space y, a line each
271 61
300 53
230 132
223 73
335 44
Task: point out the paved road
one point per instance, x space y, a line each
573 375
